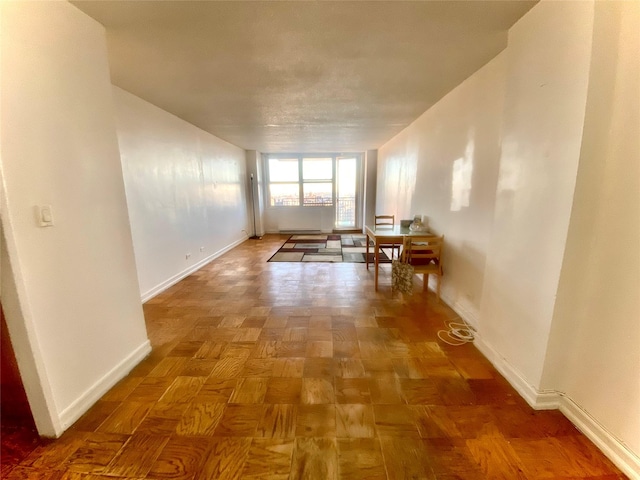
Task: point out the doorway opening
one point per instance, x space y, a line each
19 436
346 192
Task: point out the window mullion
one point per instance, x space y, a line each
300 182
334 181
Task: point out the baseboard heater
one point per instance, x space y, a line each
299 232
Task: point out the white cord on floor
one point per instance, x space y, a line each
457 333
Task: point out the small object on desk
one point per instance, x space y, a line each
405 223
418 226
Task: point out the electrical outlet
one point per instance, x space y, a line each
202 249
188 256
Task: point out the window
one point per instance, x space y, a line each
284 177
300 180
317 181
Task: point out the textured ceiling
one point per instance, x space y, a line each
300 76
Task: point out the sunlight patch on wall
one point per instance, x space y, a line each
400 184
510 171
461 179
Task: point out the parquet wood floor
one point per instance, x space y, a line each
302 371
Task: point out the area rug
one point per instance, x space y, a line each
349 248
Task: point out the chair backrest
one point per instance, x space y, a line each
385 220
423 250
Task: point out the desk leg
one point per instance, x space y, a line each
376 258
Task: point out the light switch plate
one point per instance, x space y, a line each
45 216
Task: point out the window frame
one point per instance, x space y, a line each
268 158
301 180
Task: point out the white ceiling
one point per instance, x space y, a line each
300 76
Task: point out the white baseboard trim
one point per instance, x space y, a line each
74 411
612 447
547 400
609 444
161 287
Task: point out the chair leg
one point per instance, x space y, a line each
425 282
438 277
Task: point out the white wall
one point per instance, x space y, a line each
560 278
283 219
75 318
594 354
444 166
369 187
547 74
186 192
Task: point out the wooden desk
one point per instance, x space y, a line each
383 235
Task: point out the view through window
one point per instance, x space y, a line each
315 180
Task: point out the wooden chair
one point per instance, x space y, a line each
387 221
423 253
